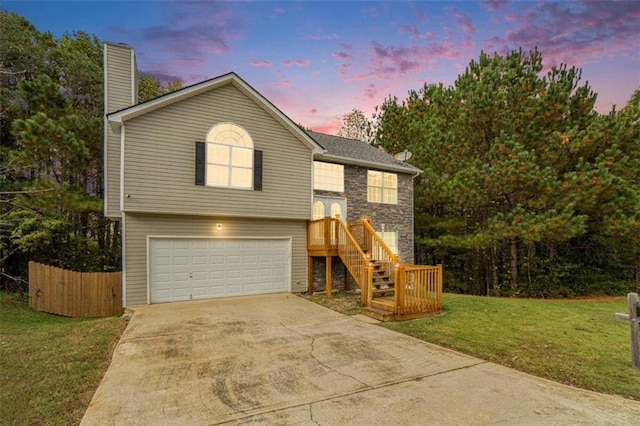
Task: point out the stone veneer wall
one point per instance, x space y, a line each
396 217
338 271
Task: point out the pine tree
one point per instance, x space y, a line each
518 173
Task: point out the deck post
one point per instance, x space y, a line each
310 276
363 290
347 285
328 277
399 289
369 284
327 233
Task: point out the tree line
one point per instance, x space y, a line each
51 167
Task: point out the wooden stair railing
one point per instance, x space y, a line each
356 261
417 289
383 259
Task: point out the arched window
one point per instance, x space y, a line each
336 210
318 210
229 156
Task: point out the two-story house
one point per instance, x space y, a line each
216 189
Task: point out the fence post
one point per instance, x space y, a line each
632 317
632 298
440 280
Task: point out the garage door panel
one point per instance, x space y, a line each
234 274
234 289
217 275
249 259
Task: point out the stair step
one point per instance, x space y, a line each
377 313
382 290
386 303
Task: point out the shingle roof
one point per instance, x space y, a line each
352 151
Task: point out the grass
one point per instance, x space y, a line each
50 366
576 342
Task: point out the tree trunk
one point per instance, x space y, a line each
514 266
494 272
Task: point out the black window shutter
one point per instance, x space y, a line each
200 153
257 170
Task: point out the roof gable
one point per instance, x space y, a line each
352 151
117 118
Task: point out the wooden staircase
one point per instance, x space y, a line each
389 290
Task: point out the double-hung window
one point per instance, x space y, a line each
382 187
328 176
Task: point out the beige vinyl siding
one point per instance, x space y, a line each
139 226
118 95
160 158
112 175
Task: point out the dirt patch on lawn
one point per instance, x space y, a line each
347 303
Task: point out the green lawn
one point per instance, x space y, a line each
577 342
50 366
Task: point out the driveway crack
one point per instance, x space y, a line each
319 361
311 414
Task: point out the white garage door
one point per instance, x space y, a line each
199 268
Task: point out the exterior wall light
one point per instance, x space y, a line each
219 227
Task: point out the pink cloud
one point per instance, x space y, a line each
412 30
330 127
313 111
266 64
420 15
190 35
303 62
463 20
346 46
341 56
283 82
400 59
511 17
314 37
391 62
495 5
574 35
370 91
287 63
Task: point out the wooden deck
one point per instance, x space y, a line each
390 290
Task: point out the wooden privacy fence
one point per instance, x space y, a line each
74 294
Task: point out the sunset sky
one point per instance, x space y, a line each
317 60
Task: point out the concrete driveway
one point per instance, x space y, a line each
280 359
